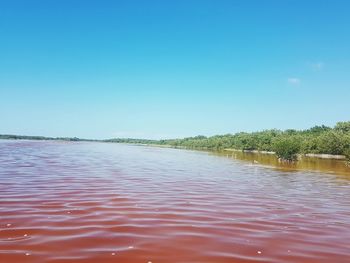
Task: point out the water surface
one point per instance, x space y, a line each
104 202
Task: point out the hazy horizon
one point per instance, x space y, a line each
157 69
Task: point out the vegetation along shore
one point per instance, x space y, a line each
318 141
287 145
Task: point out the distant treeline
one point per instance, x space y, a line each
40 138
286 144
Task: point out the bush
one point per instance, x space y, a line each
343 126
287 148
347 155
331 142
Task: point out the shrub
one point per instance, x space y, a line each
331 142
287 148
347 156
343 126
309 145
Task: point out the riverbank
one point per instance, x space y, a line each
319 142
310 155
289 145
304 163
331 164
327 164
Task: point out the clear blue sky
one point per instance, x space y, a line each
160 69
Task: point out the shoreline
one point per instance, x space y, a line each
257 157
309 155
307 162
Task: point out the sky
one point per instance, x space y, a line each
171 69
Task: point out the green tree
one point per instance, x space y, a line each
331 142
343 126
287 148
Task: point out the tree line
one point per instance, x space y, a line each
286 144
40 138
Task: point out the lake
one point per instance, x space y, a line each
105 202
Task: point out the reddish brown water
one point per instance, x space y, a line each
99 202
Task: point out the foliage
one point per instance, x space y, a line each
347 154
288 143
331 142
287 148
343 126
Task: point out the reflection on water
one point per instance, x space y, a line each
305 163
100 202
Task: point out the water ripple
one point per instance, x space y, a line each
99 202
